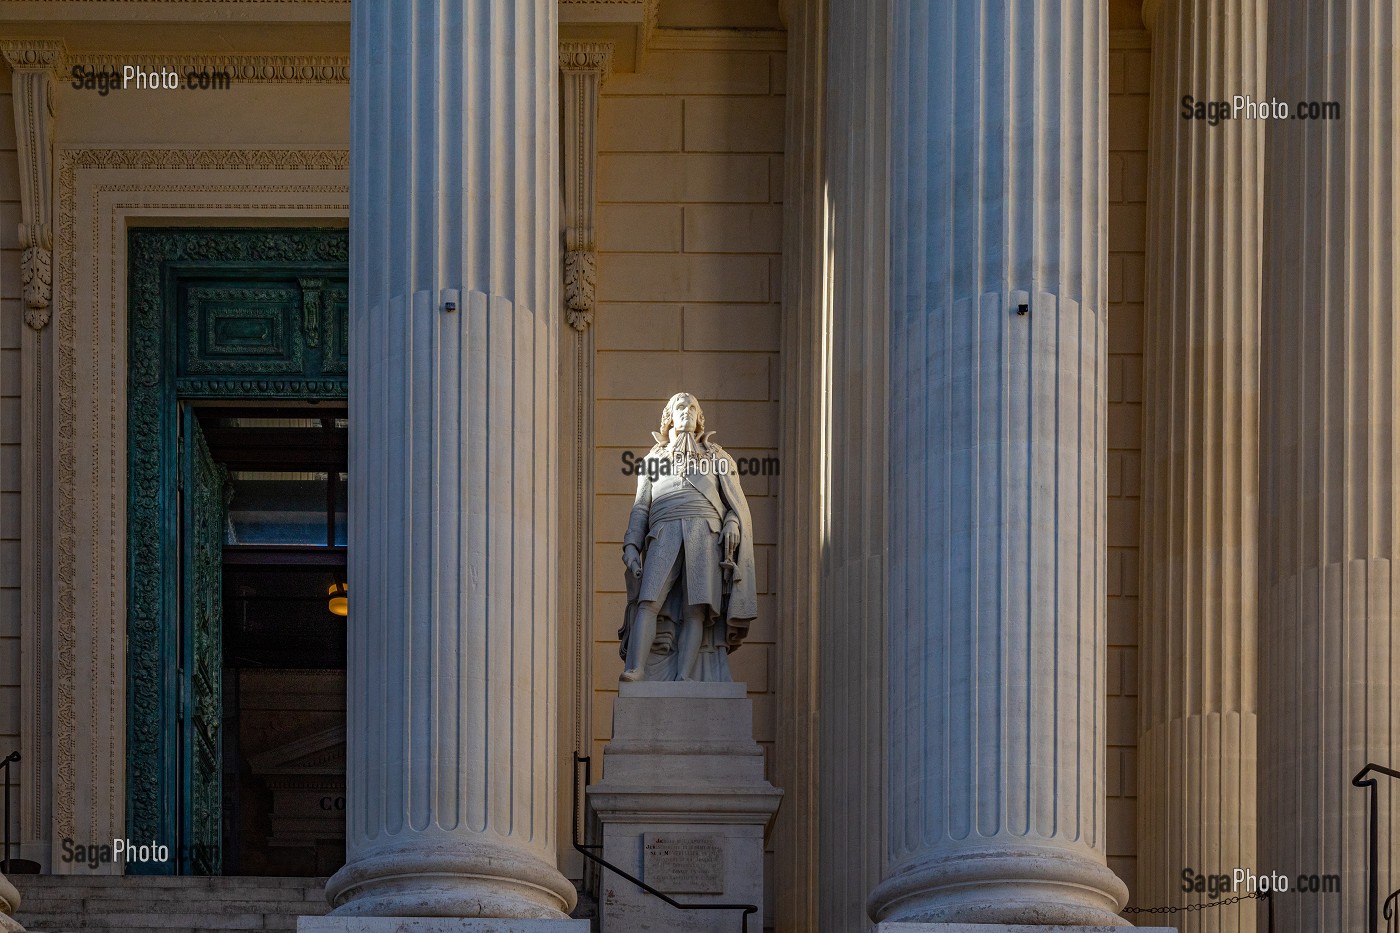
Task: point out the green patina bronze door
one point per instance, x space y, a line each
201 650
216 318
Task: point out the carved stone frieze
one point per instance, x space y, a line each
241 69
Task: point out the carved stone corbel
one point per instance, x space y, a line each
34 63
583 66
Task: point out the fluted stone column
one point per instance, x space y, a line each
797 762
1330 456
455 317
848 445
1196 764
997 360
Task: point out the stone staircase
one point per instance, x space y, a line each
146 904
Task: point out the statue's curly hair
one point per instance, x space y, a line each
667 420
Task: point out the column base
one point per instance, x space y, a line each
901 927
435 925
1007 928
467 875
1038 886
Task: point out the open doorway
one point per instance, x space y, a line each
283 600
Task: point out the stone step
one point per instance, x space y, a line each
220 882
311 892
132 900
281 897
164 904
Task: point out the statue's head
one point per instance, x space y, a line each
683 414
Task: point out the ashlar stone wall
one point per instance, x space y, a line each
1129 76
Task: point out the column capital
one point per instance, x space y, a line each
595 57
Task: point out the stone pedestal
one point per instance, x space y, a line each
684 805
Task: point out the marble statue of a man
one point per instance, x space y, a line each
689 555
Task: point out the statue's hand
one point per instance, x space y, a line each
730 538
633 559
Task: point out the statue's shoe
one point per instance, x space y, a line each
630 677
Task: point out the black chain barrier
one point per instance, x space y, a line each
1208 905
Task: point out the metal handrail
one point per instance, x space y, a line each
1373 880
586 852
13 757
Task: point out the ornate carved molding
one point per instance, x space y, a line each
595 57
79 764
241 69
32 53
325 159
584 66
580 282
36 275
628 25
311 309
34 62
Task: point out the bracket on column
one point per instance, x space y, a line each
583 66
34 63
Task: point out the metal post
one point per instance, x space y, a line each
1373 882
14 756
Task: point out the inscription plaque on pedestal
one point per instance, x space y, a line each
684 863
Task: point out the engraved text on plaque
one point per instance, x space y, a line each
684 863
